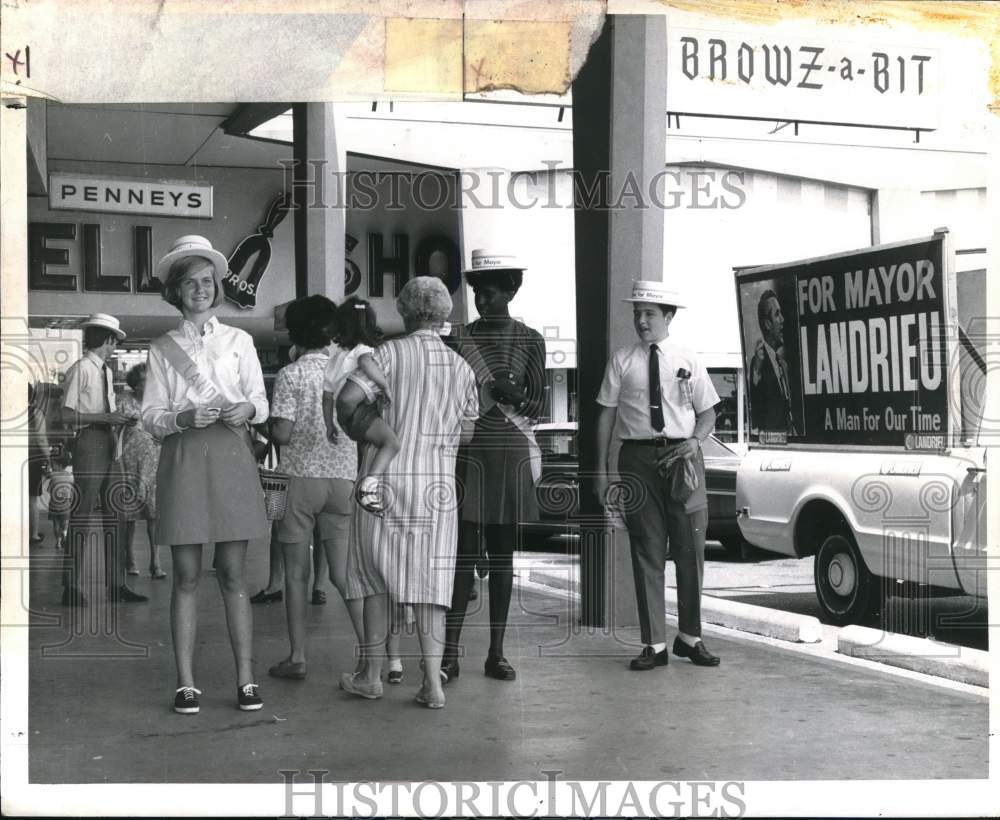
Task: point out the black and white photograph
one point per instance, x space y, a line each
482 409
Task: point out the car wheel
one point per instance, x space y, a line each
847 591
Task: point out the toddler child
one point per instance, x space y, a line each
353 386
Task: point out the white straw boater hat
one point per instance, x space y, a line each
657 293
192 245
105 321
484 260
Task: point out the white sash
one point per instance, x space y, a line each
523 424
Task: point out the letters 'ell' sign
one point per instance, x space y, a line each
850 350
79 192
762 74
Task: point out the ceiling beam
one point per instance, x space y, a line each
248 116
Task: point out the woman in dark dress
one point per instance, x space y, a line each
499 468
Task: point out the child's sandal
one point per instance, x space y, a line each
368 498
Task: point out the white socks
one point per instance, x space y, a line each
690 640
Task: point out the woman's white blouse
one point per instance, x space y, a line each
226 357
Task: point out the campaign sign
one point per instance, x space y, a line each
849 349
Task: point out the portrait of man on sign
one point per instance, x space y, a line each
773 370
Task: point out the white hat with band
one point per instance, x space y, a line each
105 321
656 293
192 245
487 260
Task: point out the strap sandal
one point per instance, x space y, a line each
369 498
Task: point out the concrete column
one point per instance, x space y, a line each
319 230
638 153
619 117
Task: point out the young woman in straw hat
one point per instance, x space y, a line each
203 385
500 466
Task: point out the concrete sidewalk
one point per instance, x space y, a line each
575 707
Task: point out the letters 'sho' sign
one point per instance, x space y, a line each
758 73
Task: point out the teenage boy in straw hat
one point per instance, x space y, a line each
89 405
664 401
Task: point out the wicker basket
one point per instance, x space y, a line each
275 487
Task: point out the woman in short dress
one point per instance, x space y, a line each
140 458
204 385
499 468
410 552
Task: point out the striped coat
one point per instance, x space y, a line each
410 552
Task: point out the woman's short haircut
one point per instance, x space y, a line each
95 337
506 280
135 374
311 322
424 300
180 269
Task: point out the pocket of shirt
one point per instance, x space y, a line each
226 365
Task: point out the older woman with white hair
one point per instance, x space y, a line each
410 552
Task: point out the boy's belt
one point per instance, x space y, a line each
654 442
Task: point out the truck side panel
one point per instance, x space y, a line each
899 507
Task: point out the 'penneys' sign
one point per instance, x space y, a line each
850 349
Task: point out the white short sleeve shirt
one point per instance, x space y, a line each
685 386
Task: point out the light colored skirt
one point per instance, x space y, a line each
208 489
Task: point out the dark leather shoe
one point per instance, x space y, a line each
129 596
698 654
265 597
648 659
73 597
449 667
498 667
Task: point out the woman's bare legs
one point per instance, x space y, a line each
183 608
373 646
296 558
430 629
336 548
154 548
230 557
130 546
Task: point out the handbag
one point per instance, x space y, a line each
272 483
275 487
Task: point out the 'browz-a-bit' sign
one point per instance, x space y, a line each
759 73
79 192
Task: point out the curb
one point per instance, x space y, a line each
922 655
957 663
771 623
562 576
